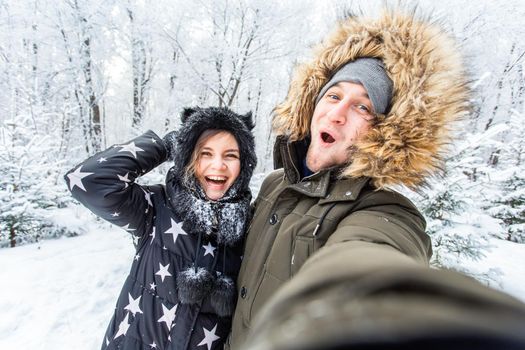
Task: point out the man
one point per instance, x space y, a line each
333 258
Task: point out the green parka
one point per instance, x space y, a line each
347 224
354 223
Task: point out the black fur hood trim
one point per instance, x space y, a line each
195 121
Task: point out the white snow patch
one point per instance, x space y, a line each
507 257
61 293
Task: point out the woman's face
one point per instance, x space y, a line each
218 164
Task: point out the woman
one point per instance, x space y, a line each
180 292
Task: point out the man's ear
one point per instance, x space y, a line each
186 112
247 120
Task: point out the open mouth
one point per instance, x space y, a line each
327 138
216 180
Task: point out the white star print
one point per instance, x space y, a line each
147 195
152 286
130 147
209 249
127 228
175 230
153 345
209 337
75 179
153 140
168 315
163 271
102 159
124 179
115 214
152 235
137 257
123 327
133 305
107 341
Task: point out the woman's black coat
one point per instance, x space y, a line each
148 314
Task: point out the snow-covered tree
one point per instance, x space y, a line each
453 205
508 204
30 184
78 28
35 125
510 207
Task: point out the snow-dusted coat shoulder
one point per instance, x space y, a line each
149 314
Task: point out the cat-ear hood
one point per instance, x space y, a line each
195 121
430 91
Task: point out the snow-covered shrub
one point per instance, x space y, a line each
454 206
508 204
31 185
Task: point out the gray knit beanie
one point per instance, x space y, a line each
369 72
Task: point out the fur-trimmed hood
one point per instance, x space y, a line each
430 91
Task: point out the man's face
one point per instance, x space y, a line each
342 116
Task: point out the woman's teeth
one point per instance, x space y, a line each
216 179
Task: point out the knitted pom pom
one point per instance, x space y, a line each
193 286
223 296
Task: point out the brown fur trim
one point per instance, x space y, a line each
430 91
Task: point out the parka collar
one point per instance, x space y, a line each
346 189
288 155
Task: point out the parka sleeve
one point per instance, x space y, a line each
371 239
370 285
105 182
398 228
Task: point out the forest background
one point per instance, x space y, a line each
78 76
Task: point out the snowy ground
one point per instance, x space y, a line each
61 293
